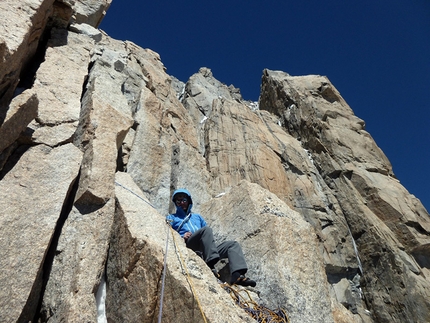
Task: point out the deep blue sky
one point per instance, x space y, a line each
376 53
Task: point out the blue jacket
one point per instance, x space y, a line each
183 221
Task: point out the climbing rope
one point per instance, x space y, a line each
165 263
188 275
135 194
258 312
164 278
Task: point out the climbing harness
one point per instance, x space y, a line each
258 312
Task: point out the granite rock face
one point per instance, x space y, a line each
94 138
33 193
390 227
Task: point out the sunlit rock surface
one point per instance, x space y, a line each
94 138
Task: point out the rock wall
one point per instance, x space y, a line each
94 138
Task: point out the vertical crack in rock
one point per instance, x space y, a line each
25 50
120 160
28 72
52 249
86 80
176 154
84 131
15 117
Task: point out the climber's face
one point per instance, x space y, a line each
182 201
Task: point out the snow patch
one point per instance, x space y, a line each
253 105
309 156
180 95
101 301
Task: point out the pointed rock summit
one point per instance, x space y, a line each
94 139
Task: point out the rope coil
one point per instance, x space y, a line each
258 312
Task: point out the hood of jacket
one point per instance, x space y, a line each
179 210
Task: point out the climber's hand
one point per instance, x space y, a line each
187 235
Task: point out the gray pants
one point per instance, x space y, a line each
203 241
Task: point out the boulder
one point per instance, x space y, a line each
105 129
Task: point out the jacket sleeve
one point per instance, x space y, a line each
202 221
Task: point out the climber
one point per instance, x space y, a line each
198 237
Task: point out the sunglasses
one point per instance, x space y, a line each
181 200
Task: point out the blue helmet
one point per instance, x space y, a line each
183 191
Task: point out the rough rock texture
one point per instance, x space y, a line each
390 227
94 138
268 229
22 24
32 197
22 110
90 11
24 27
